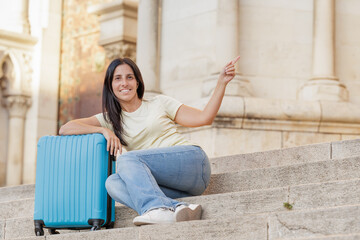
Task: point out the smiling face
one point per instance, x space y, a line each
124 84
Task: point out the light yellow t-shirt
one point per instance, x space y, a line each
151 125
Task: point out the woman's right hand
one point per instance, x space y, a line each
113 142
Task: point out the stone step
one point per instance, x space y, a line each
17 192
235 163
252 227
316 223
307 173
301 197
314 172
229 205
295 174
273 158
286 156
335 237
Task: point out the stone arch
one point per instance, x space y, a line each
10 73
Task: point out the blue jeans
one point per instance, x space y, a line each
152 178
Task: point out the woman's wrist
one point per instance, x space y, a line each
221 83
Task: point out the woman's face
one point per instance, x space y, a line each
124 84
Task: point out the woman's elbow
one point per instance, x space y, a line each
207 121
64 129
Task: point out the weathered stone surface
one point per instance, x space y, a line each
2 229
343 149
294 139
316 172
118 233
302 197
239 203
316 223
30 238
214 206
337 237
17 192
328 194
234 163
248 227
24 227
17 209
124 216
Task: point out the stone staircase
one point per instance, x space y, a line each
245 200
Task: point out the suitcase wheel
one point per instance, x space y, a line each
53 231
95 228
39 227
39 232
96 224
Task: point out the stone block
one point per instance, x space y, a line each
245 227
328 90
341 128
337 237
31 238
234 141
328 194
296 174
280 109
316 223
343 149
345 112
24 227
118 233
2 229
293 139
204 138
17 208
287 156
231 205
124 216
17 192
349 137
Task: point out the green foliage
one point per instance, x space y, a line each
288 205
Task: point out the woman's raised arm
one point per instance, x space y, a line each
192 117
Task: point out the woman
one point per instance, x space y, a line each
160 164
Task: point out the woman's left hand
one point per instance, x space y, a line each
228 72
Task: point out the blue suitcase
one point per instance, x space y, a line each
70 188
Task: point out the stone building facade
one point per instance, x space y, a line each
298 79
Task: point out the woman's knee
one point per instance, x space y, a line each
124 162
109 183
203 179
206 174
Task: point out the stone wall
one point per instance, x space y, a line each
83 62
183 45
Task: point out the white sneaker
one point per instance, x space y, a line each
157 215
188 213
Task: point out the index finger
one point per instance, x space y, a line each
235 60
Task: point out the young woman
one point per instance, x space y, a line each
160 164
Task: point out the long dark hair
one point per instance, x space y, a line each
110 103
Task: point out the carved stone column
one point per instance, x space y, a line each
147 51
118 28
324 85
25 16
227 49
15 82
17 106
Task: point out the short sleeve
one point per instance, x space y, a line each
170 105
103 122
